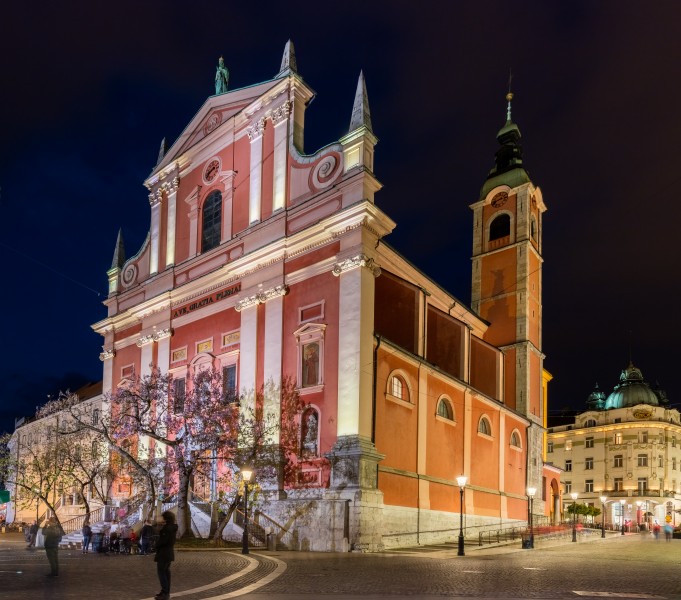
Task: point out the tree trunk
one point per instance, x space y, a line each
184 528
225 519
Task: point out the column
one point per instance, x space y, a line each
155 201
280 121
355 345
274 327
193 203
146 343
255 133
248 355
172 220
227 199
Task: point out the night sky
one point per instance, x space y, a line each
88 93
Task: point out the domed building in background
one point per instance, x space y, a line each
623 454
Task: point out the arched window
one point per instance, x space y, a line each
95 416
500 227
310 433
515 440
211 221
533 228
590 423
484 426
444 410
398 388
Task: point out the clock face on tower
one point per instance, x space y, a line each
212 170
499 199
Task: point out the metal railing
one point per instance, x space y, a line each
256 533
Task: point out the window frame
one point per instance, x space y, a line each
445 401
485 427
310 333
642 460
211 238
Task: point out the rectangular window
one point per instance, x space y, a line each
673 442
673 464
568 466
642 460
179 393
589 443
589 485
549 447
618 420
618 461
643 437
619 484
568 445
617 438
568 487
229 390
660 461
589 463
642 484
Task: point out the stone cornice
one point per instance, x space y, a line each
145 340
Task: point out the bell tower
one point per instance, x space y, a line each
507 281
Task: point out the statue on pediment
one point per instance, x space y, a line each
221 77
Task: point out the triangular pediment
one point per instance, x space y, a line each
215 112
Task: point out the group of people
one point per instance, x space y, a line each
165 542
118 539
122 538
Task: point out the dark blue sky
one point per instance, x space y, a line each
88 93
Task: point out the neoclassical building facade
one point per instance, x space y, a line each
625 447
269 263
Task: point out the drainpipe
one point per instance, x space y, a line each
373 390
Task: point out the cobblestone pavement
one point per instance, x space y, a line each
629 566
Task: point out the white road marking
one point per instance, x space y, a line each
472 571
617 595
535 569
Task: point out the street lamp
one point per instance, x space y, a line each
603 499
246 474
461 481
622 502
638 513
531 491
574 516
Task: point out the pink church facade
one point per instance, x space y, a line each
268 263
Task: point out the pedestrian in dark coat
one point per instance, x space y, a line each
165 553
53 534
145 537
87 535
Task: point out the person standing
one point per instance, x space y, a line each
87 535
53 534
165 553
145 537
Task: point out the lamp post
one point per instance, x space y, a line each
603 499
246 474
574 516
461 481
622 503
638 513
531 491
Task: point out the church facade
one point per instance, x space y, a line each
268 263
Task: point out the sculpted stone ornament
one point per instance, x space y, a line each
221 77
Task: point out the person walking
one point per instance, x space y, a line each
53 534
32 534
165 553
145 537
87 536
